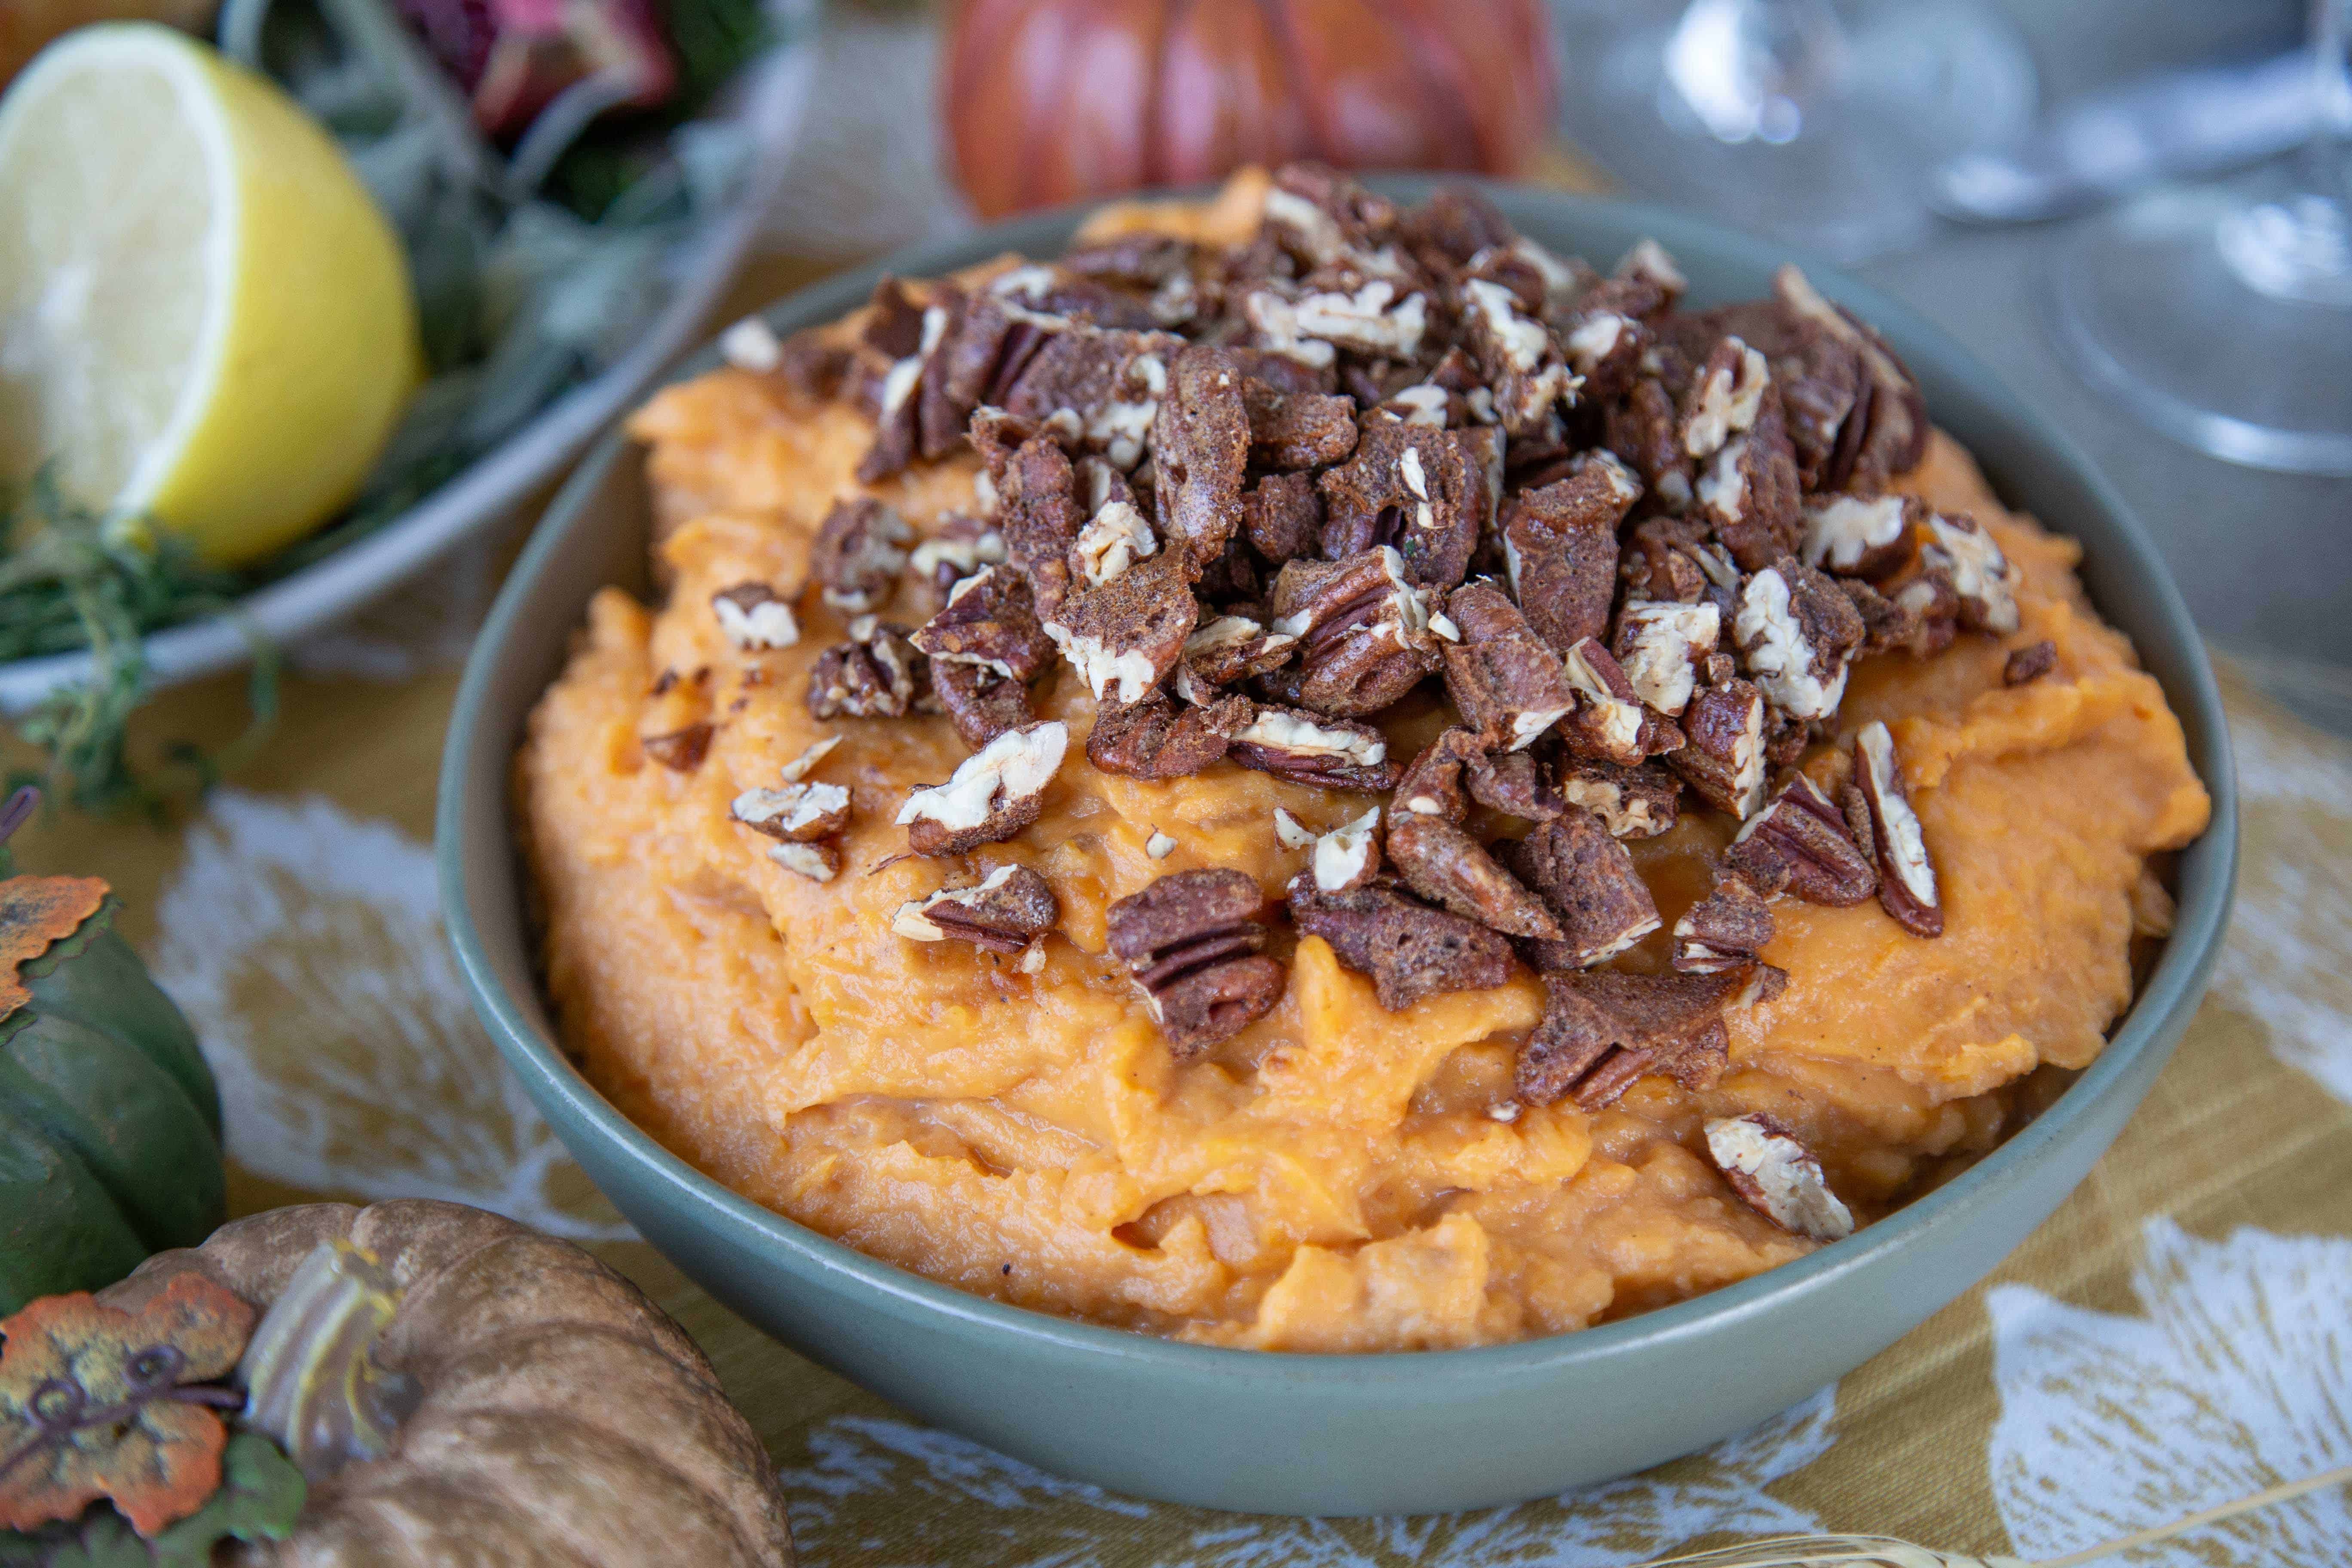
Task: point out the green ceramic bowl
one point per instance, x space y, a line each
1361 1434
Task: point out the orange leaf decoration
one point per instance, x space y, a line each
34 912
98 1402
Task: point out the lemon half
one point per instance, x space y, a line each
202 315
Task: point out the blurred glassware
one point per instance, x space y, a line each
2224 317
1808 121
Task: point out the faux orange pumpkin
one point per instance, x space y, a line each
1051 100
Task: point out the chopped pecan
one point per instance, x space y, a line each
1749 493
1652 267
754 617
1309 748
1282 516
1778 1176
1979 572
1280 371
1796 634
1410 950
1346 857
1292 430
812 364
1363 630
1433 783
1521 359
1604 341
1155 739
682 750
1193 941
990 342
1610 722
1229 651
1375 318
1139 260
1801 843
1860 536
794 812
1445 865
1039 517
1895 438
1724 399
1420 491
1325 218
1632 803
1125 637
1603 1029
819 862
876 674
1587 876
1457 224
1723 931
1425 403
1723 758
993 794
1663 647
1676 560
2029 663
897 409
1642 427
1514 781
1560 541
1824 389
1104 388
980 703
1506 684
1921 617
1113 539
859 551
1004 912
1200 449
988 621
1906 876
960 548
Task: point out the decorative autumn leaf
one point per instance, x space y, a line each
260 1497
34 912
99 1402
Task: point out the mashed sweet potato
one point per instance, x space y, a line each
1336 1177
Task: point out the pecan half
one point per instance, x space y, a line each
1199 452
1561 543
1796 634
876 674
2028 663
1363 630
1282 517
1723 931
1505 682
754 617
1801 842
993 794
1125 637
1778 1176
980 703
988 620
1603 1029
1423 492
1588 880
1155 739
1407 948
1632 803
1445 865
1193 940
1723 758
1006 911
1906 876
1610 722
1346 857
1663 646
1860 536
1309 748
859 551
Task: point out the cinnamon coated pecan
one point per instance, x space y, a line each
1610 722
1193 941
1747 492
1880 807
1125 637
1561 542
1292 430
1156 739
979 702
1588 880
1309 748
1200 452
1506 684
1407 948
1514 781
1282 517
1346 857
2028 663
876 674
1004 912
1603 1029
1860 536
1445 865
859 551
988 620
755 619
1632 803
1797 634
1363 630
1663 646
993 794
1423 492
1723 758
1723 931
1801 843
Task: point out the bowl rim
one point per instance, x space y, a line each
2171 989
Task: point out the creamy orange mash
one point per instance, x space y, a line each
1334 1178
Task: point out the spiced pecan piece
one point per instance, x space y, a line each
754 618
876 674
897 409
1344 858
1723 757
1156 739
990 341
1588 878
1199 453
1423 492
1632 803
819 862
1505 682
988 620
1363 630
1919 616
980 703
1311 749
1561 543
1518 353
963 545
1860 536
1979 572
993 794
1747 493
1445 865
1778 1176
1603 1029
1456 225
1906 876
1724 931
680 750
1407 948
859 551
1125 637
1193 941
1323 217
1114 538
1375 318
1674 560
1229 651
1895 433
1642 427
1663 647
1610 721
1801 843
1291 430
1102 388
1434 783
1514 781
1039 516
1797 634
1282 517
2028 663
1724 398
1003 912
793 812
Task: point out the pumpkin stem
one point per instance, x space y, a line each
311 1377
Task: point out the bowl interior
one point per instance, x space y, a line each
595 534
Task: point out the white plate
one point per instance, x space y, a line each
774 100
